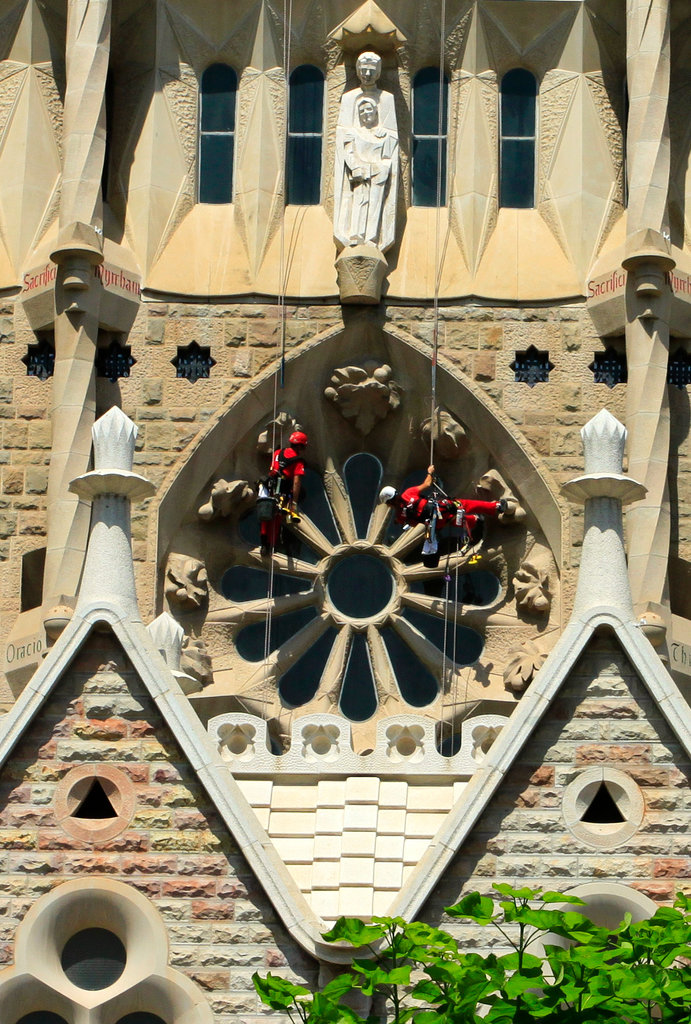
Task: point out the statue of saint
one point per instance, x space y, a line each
366 174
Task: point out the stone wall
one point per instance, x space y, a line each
175 850
602 716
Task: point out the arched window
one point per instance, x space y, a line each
217 134
429 137
305 127
517 170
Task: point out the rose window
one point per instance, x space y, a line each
345 616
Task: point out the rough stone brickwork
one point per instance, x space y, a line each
603 716
175 850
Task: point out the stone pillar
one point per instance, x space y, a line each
648 298
79 250
111 486
602 578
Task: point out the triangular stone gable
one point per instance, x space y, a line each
604 715
175 848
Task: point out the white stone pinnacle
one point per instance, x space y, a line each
168 635
604 438
108 576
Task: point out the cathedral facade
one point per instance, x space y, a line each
444 239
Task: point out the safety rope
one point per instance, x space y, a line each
279 376
438 261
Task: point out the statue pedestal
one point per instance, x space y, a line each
361 270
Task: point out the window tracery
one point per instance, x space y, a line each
429 137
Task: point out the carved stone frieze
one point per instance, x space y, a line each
364 394
186 582
228 497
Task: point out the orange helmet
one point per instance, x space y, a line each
298 437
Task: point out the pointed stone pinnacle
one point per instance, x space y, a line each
114 436
604 438
167 634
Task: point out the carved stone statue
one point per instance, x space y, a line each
366 173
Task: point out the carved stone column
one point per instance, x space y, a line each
648 298
80 249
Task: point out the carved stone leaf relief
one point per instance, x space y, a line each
195 661
186 582
364 394
522 667
450 439
228 497
531 584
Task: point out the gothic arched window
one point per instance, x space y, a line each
429 137
517 160
217 133
305 127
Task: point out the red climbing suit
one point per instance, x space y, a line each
413 506
286 465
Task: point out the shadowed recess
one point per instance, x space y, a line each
416 683
250 640
93 959
95 804
468 645
241 583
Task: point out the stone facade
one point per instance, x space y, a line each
273 750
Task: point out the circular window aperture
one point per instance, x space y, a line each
93 959
360 586
603 807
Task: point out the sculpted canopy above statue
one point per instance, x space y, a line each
366 173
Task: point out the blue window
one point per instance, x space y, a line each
305 128
217 134
429 137
517 170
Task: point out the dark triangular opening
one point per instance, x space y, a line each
95 804
602 809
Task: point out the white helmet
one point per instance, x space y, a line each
387 493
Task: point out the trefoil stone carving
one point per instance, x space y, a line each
522 666
531 584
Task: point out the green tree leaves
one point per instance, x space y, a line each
636 973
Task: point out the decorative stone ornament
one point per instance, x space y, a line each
531 584
277 431
522 667
450 438
187 584
360 271
364 394
367 26
168 636
227 497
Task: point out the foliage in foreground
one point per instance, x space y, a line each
637 972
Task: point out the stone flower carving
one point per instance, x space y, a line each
450 439
531 584
227 496
522 666
195 661
364 394
186 582
277 432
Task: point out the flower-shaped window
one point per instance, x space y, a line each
346 611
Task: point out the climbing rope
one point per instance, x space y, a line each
279 376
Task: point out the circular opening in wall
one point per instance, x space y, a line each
94 802
360 586
603 807
93 959
406 745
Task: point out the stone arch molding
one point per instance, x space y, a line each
355 390
37 981
308 373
